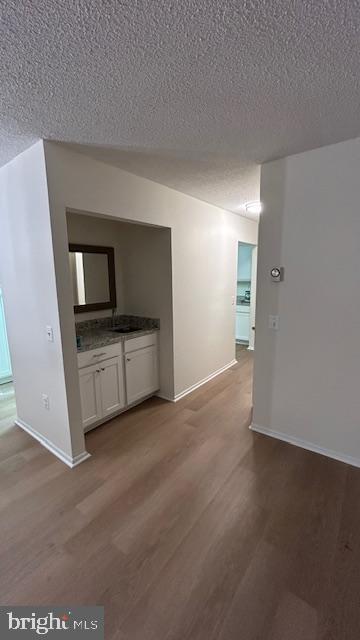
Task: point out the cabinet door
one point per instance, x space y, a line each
90 395
142 374
112 386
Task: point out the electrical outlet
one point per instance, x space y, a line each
274 323
46 401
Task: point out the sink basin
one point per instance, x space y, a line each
127 329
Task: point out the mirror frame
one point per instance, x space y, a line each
109 251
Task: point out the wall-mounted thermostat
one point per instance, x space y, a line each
277 274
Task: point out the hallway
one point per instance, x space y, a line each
185 525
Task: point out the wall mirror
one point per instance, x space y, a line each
92 271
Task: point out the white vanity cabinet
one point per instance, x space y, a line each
90 395
242 323
111 386
117 376
102 387
141 367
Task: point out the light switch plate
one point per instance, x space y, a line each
49 333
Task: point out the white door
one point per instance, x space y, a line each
253 299
112 386
142 374
90 395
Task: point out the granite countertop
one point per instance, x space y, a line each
98 333
95 338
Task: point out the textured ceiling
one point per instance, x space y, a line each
192 93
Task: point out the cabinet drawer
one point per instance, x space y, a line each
86 358
139 343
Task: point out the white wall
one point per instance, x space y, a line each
27 277
143 276
148 289
307 374
204 256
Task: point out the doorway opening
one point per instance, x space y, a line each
245 298
7 393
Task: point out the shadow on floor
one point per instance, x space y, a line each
240 349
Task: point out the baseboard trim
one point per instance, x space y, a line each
81 457
64 457
305 444
164 397
195 386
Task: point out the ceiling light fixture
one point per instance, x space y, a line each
253 207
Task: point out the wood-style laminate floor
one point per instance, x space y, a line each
186 526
